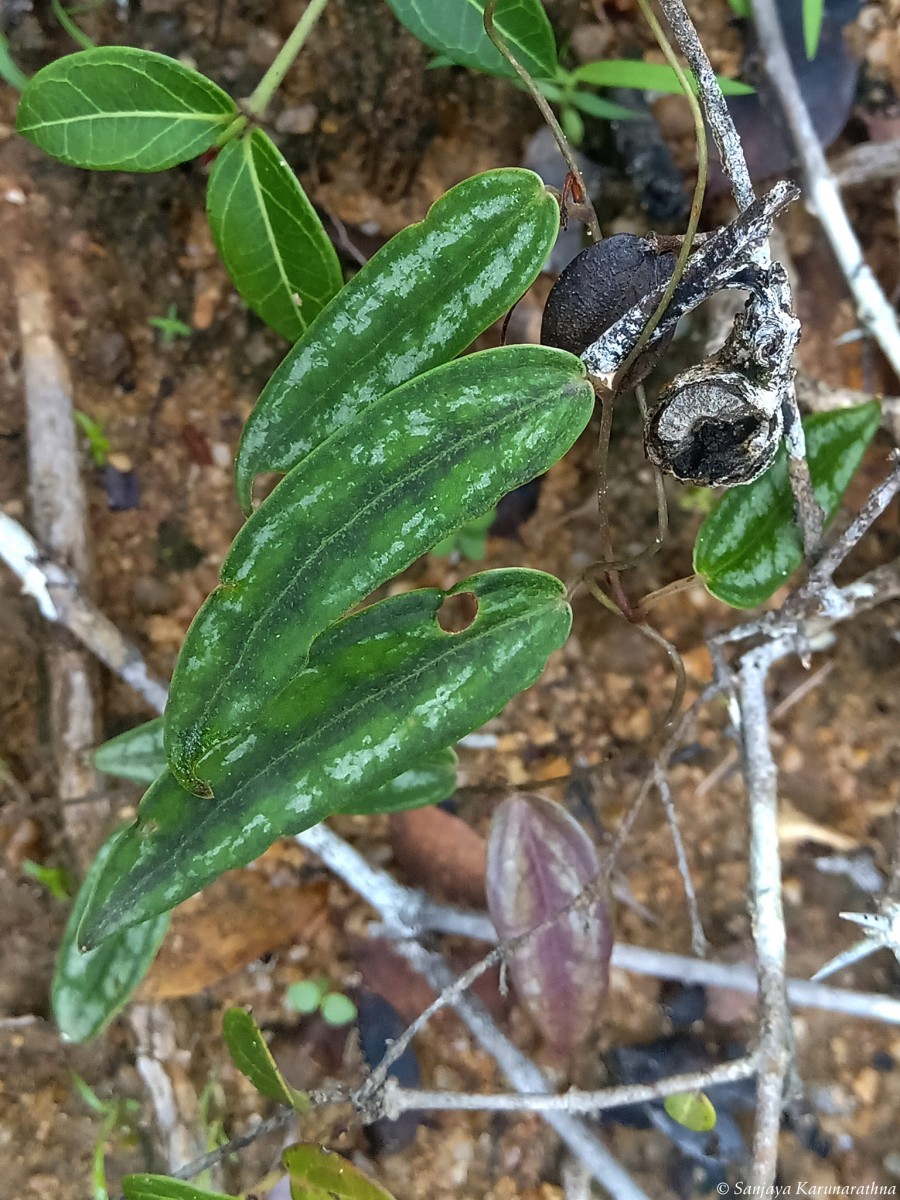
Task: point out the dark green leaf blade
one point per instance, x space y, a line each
748 545
429 781
372 498
320 1174
383 690
251 1055
269 236
418 302
455 28
137 754
118 108
162 1187
89 989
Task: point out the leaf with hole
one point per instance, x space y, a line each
269 236
251 1055
88 989
163 1187
417 303
137 754
117 108
693 1110
383 689
320 1174
419 463
455 29
647 76
749 545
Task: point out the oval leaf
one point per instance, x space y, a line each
162 1187
749 546
417 303
320 1174
383 689
539 860
646 76
251 1055
269 235
88 989
693 1110
360 508
137 754
117 108
455 28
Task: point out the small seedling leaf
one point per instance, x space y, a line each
383 689
162 1187
320 1174
749 545
338 1009
137 754
813 13
269 236
646 76
693 1110
251 1055
417 303
118 108
420 462
305 996
88 989
455 29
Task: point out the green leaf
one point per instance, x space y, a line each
305 996
417 303
269 236
136 754
320 1174
741 8
429 781
383 689
161 1187
55 879
469 541
813 12
9 72
749 545
118 108
645 76
338 1009
88 989
693 1110
372 498
251 1055
604 110
455 28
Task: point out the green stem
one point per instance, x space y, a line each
271 81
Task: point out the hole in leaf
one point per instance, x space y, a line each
457 612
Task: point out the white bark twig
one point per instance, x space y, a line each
875 313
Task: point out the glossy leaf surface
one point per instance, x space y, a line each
539 860
383 690
269 236
163 1187
749 546
424 460
320 1174
251 1055
417 303
137 754
118 108
89 989
455 28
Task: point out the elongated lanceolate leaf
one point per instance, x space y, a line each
384 689
655 77
269 236
425 459
137 754
163 1187
320 1174
117 108
89 989
251 1055
455 28
749 546
539 860
418 302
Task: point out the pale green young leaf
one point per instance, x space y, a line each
137 754
384 489
162 1187
645 76
251 1055
88 989
269 236
383 689
749 545
693 1110
455 28
118 108
418 302
813 13
320 1174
